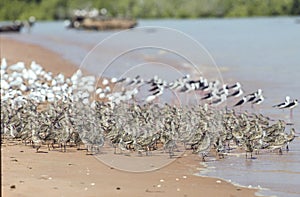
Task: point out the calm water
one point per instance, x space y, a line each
259 52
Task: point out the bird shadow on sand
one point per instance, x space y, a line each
42 152
251 158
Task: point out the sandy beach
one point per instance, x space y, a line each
54 173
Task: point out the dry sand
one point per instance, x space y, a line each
15 51
53 173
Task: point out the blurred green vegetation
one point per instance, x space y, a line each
61 9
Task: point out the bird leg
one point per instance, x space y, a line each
203 157
171 154
185 147
228 146
147 151
37 148
115 151
140 153
87 150
78 146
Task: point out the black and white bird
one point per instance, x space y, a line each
155 93
235 86
253 96
219 101
258 100
154 80
210 95
123 79
291 106
188 87
178 84
223 90
284 104
200 83
241 102
136 81
154 88
237 93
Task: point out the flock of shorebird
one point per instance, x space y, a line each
40 108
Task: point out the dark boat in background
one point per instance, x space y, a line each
92 20
17 25
14 27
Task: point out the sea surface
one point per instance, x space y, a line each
258 52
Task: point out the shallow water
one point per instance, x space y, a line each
280 173
258 52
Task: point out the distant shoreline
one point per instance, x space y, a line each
62 9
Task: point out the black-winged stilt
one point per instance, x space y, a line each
291 106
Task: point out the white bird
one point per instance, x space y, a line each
54 82
2 73
20 100
4 84
17 67
105 82
48 76
23 87
56 88
113 80
102 95
150 98
17 82
99 90
85 95
50 97
25 74
90 88
36 67
3 64
88 80
76 76
85 101
107 89
60 78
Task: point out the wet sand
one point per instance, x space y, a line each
52 173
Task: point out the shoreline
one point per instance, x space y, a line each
52 173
